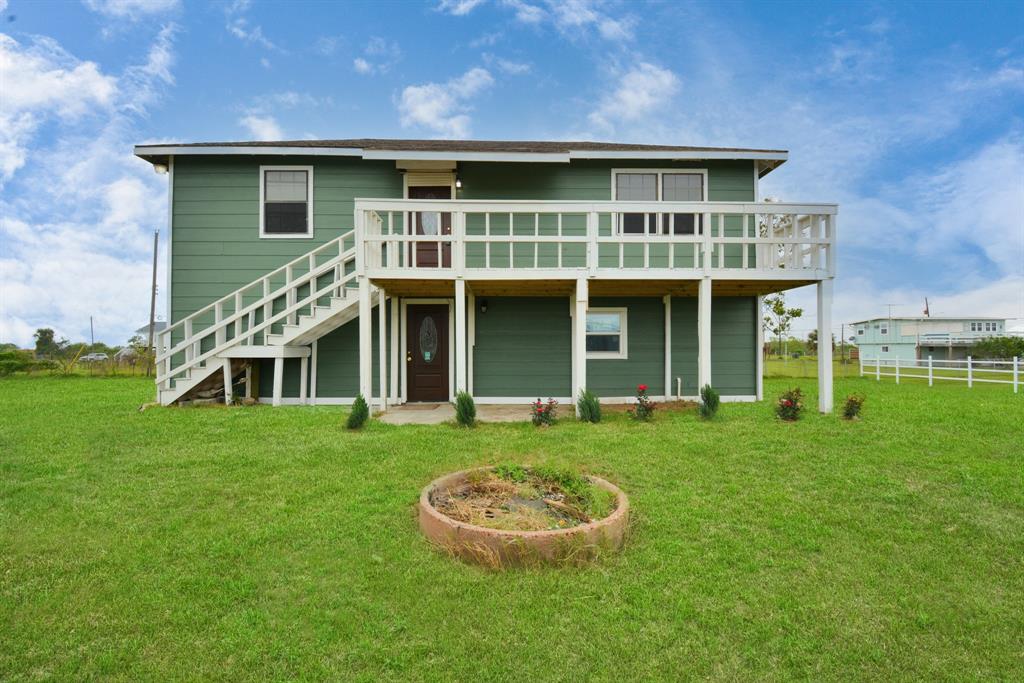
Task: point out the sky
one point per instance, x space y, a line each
910 116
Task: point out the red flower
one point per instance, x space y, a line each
641 387
787 402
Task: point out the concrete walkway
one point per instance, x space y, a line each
436 413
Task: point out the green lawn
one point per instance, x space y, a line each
261 543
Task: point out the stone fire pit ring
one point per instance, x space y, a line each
497 548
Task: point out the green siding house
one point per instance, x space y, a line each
307 272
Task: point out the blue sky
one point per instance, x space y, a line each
910 116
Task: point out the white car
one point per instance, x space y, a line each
91 357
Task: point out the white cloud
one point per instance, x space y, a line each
261 127
3 5
238 25
130 9
458 7
572 17
379 56
507 65
642 90
43 82
362 66
526 12
442 107
327 45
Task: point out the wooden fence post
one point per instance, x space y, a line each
931 378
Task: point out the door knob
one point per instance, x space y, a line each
408 358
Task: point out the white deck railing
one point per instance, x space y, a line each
532 239
969 370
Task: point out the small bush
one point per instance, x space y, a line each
644 408
708 402
360 413
852 406
465 409
589 406
790 404
543 414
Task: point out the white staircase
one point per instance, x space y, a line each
286 308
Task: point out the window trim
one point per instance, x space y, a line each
623 352
660 184
309 203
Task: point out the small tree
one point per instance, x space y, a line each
589 406
465 409
778 319
46 345
360 413
709 402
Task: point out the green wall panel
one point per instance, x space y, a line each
734 345
645 361
523 348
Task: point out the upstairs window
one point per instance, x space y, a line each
658 185
286 201
606 333
884 330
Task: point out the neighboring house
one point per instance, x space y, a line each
320 269
918 338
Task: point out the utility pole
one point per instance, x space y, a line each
152 303
92 334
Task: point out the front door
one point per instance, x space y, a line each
426 357
428 254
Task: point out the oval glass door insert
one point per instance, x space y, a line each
428 339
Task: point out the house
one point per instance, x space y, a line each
913 338
408 270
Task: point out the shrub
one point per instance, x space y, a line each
589 406
644 408
465 409
852 406
790 404
708 402
543 414
14 361
360 413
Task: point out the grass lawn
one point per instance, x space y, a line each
262 543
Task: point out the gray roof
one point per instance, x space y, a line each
158 326
928 317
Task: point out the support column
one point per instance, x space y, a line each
668 345
365 341
278 381
825 346
382 348
304 380
248 380
394 349
579 341
228 389
760 348
470 337
312 374
460 335
703 333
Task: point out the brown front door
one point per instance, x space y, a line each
427 254
427 352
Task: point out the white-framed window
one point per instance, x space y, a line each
885 349
606 333
990 327
659 185
860 331
884 330
975 327
286 202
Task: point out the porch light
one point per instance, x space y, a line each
458 182
160 168
483 305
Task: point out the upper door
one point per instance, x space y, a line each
430 254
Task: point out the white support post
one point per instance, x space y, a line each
228 389
365 341
759 336
248 380
878 369
471 338
312 374
897 371
704 333
825 346
304 380
668 345
460 335
970 373
382 349
579 341
278 380
1016 373
931 373
394 348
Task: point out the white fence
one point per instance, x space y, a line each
970 370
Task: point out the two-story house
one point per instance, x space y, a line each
909 339
409 270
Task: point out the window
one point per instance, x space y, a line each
860 330
885 349
659 185
606 333
990 327
884 330
286 201
975 327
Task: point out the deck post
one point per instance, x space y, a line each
278 380
668 346
970 373
460 335
825 346
759 340
304 380
228 389
931 375
382 348
365 341
703 333
248 380
314 358
394 348
470 337
579 341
